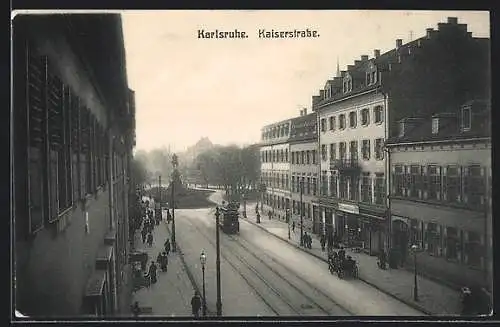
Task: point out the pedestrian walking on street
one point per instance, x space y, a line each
150 239
135 309
293 226
152 273
196 304
144 234
167 246
323 242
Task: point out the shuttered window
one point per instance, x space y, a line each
36 130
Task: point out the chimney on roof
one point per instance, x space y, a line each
428 32
305 111
322 94
376 53
452 20
364 57
350 67
399 43
469 34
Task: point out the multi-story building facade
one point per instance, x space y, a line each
304 170
441 190
275 168
73 132
441 70
352 131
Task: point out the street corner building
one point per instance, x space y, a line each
402 154
73 133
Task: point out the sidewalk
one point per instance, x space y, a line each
434 298
171 295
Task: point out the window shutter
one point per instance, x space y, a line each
35 71
53 185
485 183
35 190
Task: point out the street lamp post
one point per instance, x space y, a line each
414 247
203 260
301 214
244 205
174 164
288 221
217 262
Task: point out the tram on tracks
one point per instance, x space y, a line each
229 218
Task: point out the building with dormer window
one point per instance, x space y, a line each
440 194
430 75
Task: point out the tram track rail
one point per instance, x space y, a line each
286 299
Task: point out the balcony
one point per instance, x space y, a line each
345 165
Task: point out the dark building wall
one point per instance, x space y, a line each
438 75
53 264
53 268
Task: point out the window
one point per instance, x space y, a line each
366 188
332 123
314 186
366 149
353 119
324 184
342 151
474 185
432 239
379 188
57 157
474 251
308 155
286 155
378 115
343 186
398 180
293 157
323 152
287 182
302 157
434 173
308 186
365 117
333 186
342 121
416 183
452 244
323 124
452 184
294 184
353 150
353 188
379 150
333 151
435 125
466 118
314 157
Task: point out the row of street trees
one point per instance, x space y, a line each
230 167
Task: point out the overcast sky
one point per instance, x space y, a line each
227 89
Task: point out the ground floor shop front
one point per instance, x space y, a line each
352 226
450 241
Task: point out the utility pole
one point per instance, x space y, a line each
159 189
217 262
174 164
301 213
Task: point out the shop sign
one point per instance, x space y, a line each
350 208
